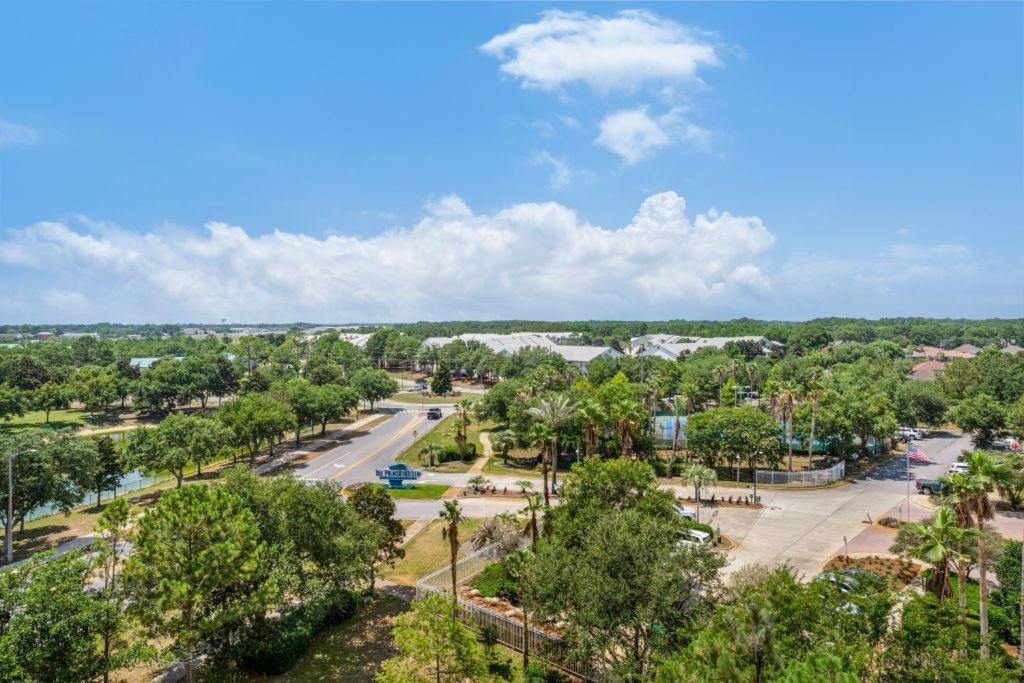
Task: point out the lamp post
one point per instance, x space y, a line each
9 525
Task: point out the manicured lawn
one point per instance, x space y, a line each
443 435
426 552
37 418
427 491
496 464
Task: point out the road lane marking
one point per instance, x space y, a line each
311 473
387 443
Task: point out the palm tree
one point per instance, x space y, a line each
451 513
686 396
627 415
504 441
524 486
553 410
540 436
699 476
430 454
813 391
940 543
984 472
463 419
960 488
502 531
782 402
533 504
593 417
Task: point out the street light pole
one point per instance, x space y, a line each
9 522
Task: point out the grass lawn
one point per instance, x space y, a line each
37 418
496 464
354 650
426 552
443 435
428 491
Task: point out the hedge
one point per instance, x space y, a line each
272 647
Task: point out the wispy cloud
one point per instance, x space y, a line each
561 171
633 134
16 134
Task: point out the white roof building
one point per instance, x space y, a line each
671 347
507 344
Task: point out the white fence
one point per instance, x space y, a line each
509 631
803 478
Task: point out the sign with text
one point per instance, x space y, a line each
396 475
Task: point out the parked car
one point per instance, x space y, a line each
685 512
434 414
958 468
930 486
421 383
1009 444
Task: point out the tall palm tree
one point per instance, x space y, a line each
813 392
451 513
533 504
540 436
984 472
941 543
554 410
782 401
627 415
699 476
685 398
960 490
593 418
504 441
463 419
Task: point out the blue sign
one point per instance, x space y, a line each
398 474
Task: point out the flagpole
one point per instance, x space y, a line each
908 484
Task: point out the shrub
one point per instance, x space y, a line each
699 526
451 453
272 647
495 581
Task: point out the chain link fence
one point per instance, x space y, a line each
803 478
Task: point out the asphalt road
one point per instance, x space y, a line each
356 458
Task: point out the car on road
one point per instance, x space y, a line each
421 384
930 486
434 414
958 468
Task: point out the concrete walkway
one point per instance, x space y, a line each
481 462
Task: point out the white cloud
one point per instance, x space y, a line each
16 134
616 53
528 260
561 171
633 134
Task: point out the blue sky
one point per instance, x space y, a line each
335 162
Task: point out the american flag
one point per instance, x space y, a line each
916 454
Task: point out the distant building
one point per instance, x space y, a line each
40 336
508 344
198 332
926 371
967 351
672 346
145 362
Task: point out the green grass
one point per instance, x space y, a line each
417 398
423 491
37 418
426 552
443 435
351 651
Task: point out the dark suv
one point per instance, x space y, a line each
434 414
930 486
